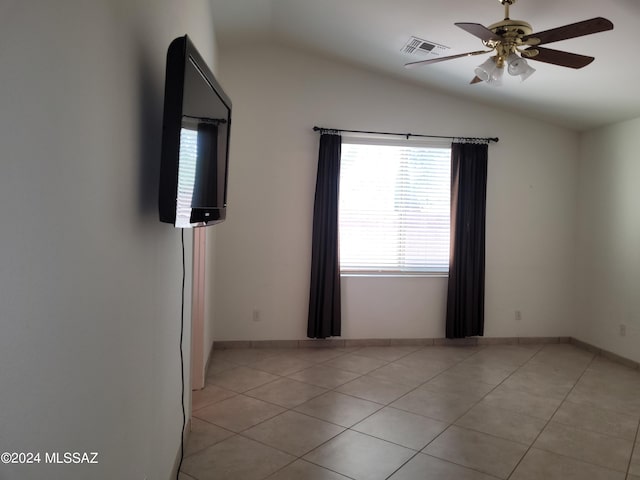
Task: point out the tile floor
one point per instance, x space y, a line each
518 412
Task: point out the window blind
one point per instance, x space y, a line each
394 208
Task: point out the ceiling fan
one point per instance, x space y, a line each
513 41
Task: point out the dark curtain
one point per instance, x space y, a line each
324 296
465 296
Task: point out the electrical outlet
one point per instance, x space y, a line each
622 329
518 315
256 315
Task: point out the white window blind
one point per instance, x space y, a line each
394 208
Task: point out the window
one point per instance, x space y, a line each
394 207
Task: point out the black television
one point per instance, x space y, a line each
195 141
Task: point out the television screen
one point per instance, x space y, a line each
195 141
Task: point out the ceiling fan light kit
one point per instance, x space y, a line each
490 72
519 67
512 40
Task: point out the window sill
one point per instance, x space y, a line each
396 274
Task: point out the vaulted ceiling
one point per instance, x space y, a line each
372 33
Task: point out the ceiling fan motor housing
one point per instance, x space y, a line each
511 28
511 33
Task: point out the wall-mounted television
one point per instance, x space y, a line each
195 141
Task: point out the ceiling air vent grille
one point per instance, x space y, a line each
423 48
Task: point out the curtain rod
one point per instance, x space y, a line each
407 135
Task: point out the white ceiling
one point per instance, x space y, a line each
371 34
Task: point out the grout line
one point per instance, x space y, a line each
324 467
478 402
542 346
221 345
388 404
464 466
350 428
586 430
403 464
633 448
451 423
551 417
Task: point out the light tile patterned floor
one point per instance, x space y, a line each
517 412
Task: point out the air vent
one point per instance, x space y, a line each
423 48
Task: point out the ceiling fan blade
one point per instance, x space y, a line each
443 59
475 79
579 29
479 31
558 57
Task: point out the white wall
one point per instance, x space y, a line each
89 279
608 272
263 249
210 289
